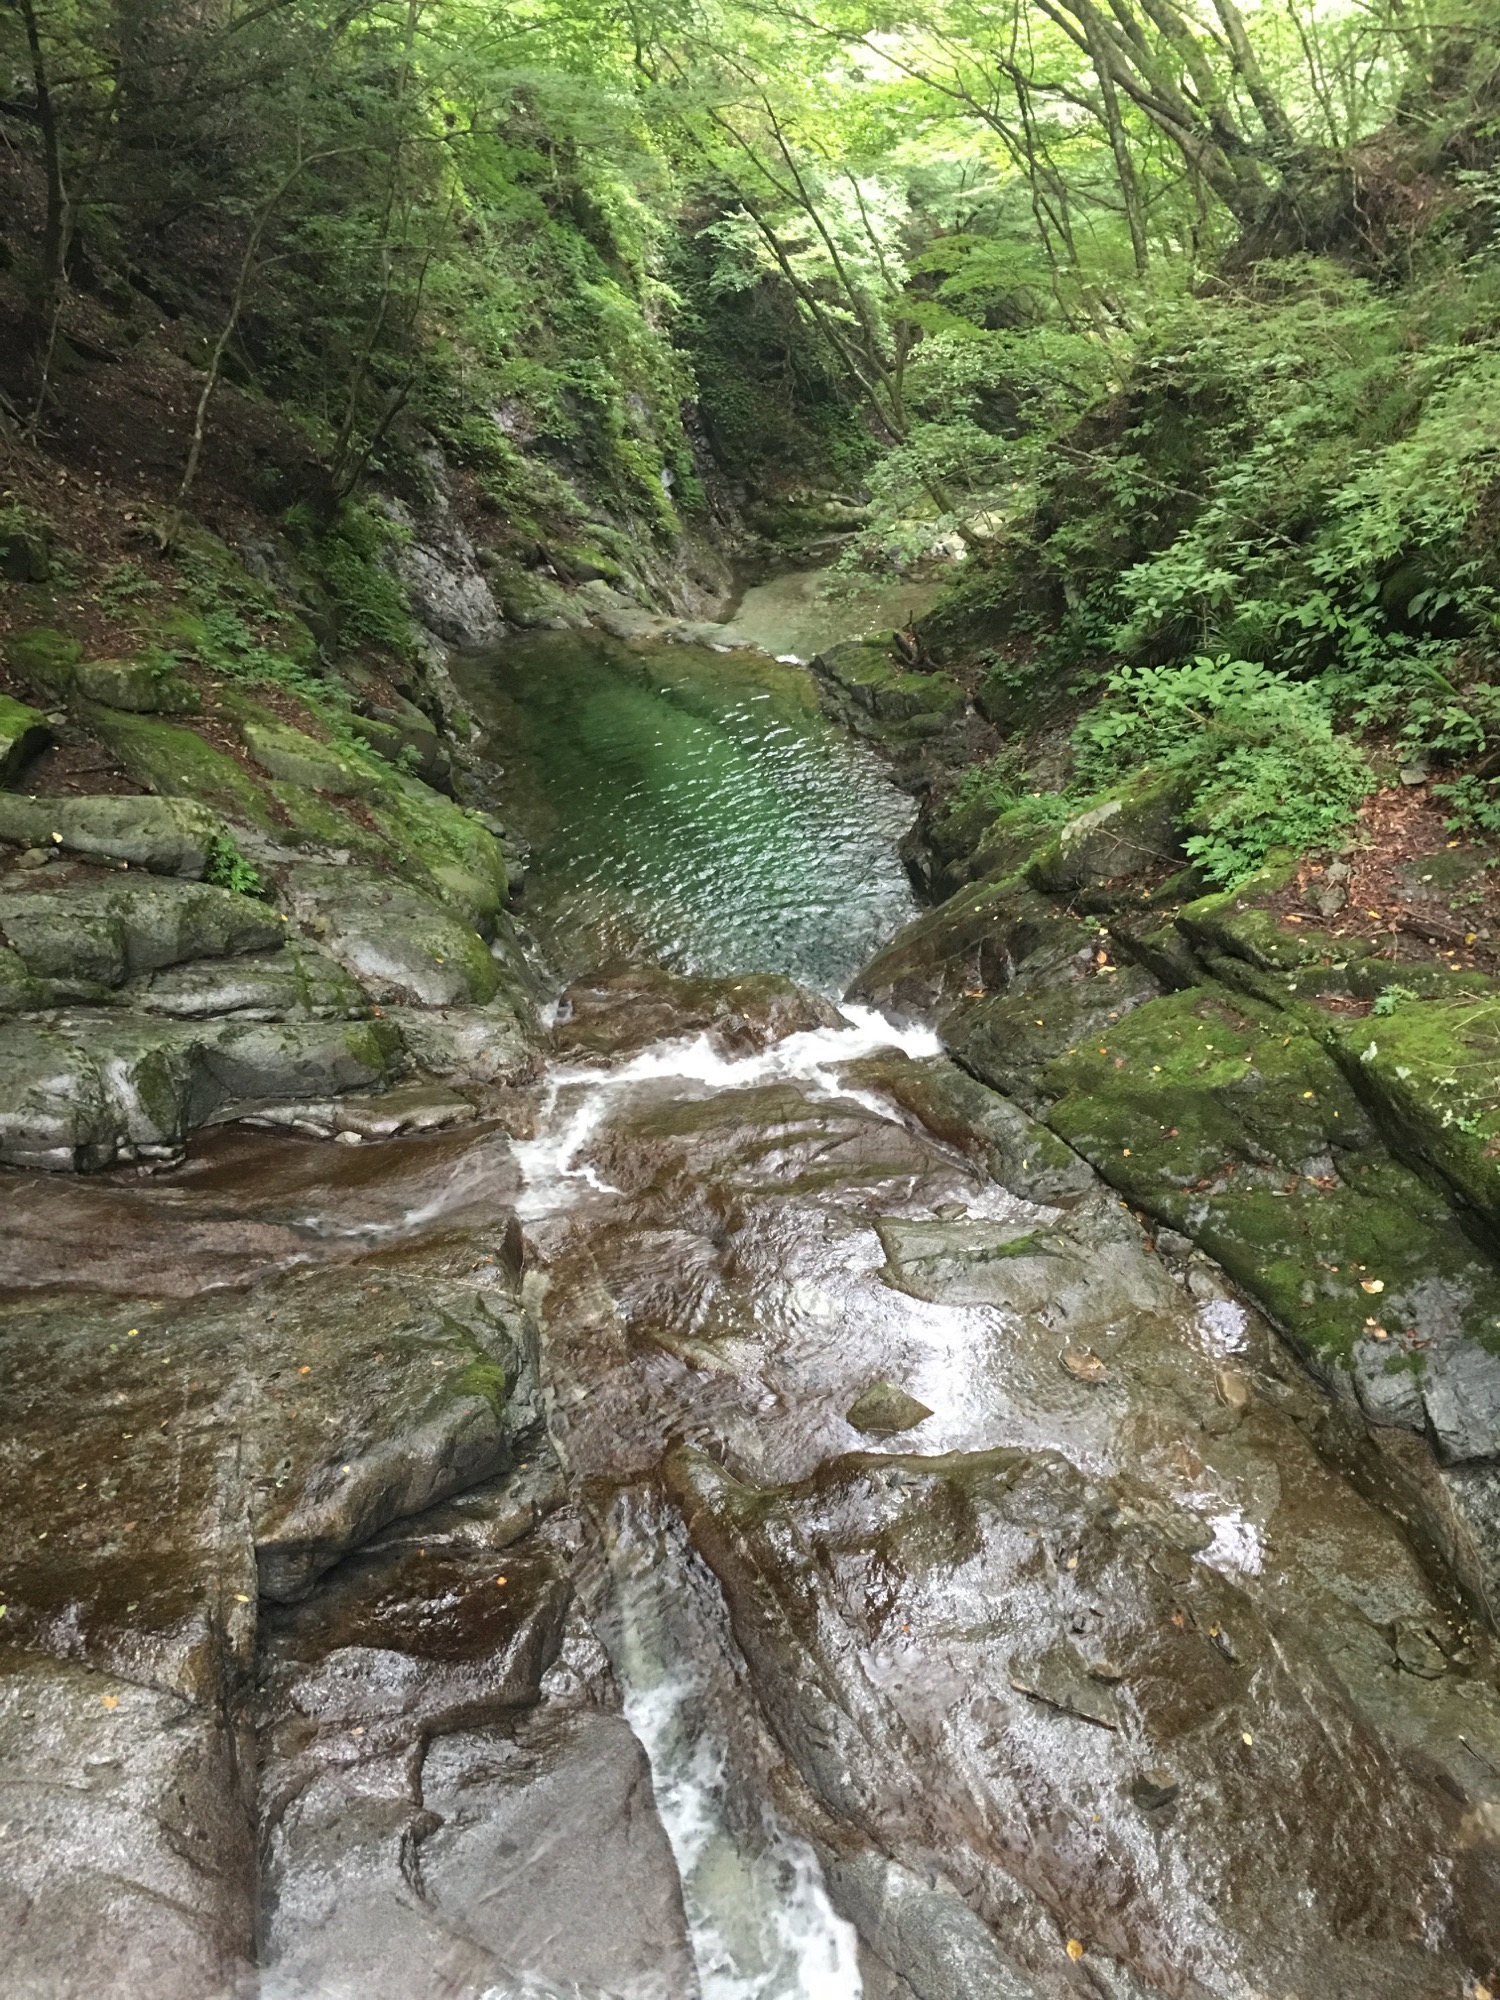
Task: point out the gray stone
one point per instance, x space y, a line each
126 1865
925 1931
883 1410
1154 1788
164 836
139 686
87 934
398 943
411 1107
482 1045
299 982
89 1089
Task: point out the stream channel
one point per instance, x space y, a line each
810 1632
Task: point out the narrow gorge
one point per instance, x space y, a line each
749 1002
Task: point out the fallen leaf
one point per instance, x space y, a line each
109 1701
1084 1364
1372 1284
240 1597
1232 1389
304 1371
1246 1737
499 1579
1075 1950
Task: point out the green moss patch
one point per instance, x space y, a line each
1224 1119
1431 1069
165 757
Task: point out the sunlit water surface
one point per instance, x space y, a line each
691 808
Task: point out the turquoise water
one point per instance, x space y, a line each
690 807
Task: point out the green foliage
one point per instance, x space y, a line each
228 868
1263 765
346 557
1474 805
1389 998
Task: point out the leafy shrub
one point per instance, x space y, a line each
228 869
1475 803
1265 767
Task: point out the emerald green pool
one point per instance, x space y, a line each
690 806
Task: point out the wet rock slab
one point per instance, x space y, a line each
1027 1661
432 1829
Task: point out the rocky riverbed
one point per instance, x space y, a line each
662 1485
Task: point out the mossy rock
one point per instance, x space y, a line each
1127 831
20 991
299 759
461 855
1010 1041
936 957
23 736
401 944
865 670
165 836
168 758
315 821
1225 1120
44 658
1431 1071
143 686
1011 840
1235 922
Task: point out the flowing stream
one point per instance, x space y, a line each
691 808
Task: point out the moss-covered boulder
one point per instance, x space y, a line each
88 1090
865 671
456 850
90 934
1009 1040
1128 831
45 659
299 982
143 686
299 759
400 944
23 736
954 949
1430 1069
166 757
1227 1121
165 836
20 990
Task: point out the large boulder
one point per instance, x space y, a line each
163 835
299 759
400 944
1129 832
145 687
86 1090
88 934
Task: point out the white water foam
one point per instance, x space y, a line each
578 1099
759 1919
